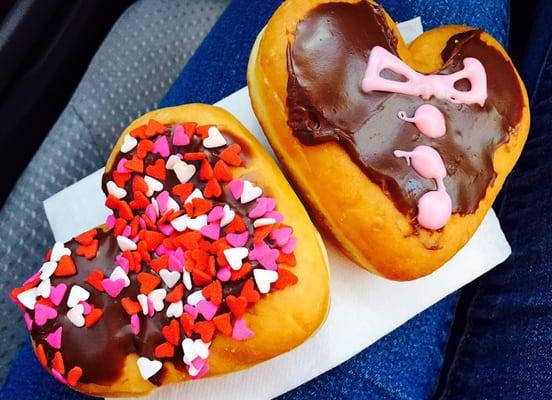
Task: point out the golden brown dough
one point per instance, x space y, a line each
344 201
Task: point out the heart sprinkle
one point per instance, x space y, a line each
182 232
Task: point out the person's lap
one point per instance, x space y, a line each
507 322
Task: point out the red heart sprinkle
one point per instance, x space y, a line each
140 201
200 278
249 292
232 155
187 322
139 184
236 226
206 329
201 206
183 190
144 147
164 350
125 211
148 282
205 172
195 156
139 132
212 189
65 267
287 259
237 305
89 251
157 170
171 332
58 364
154 128
120 178
175 294
94 316
131 306
241 273
261 233
135 164
189 128
86 237
41 355
222 172
213 292
95 280
285 278
74 375
203 131
157 264
153 239
222 322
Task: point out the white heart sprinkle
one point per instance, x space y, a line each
47 269
195 224
128 144
115 190
76 295
58 251
228 216
196 194
44 288
180 223
119 273
235 256
175 309
143 300
169 277
263 279
192 371
184 172
214 138
153 185
189 349
155 205
195 298
263 222
172 204
201 348
250 192
125 243
156 297
172 161
75 315
148 367
187 279
28 298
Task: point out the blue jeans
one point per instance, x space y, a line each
505 342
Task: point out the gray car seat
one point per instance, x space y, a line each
130 73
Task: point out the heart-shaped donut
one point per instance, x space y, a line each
191 275
399 150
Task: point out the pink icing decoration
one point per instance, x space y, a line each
54 338
179 137
417 84
241 331
42 313
435 207
191 310
121 166
264 255
428 119
281 235
113 288
161 146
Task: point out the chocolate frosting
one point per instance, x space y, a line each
326 64
101 350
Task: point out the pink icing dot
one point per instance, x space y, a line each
428 119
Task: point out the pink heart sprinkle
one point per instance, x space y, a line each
269 262
202 372
198 362
175 264
241 331
58 376
236 188
191 310
161 250
281 235
216 214
264 255
224 274
87 308
162 201
290 245
142 223
110 221
211 231
57 293
161 146
28 321
121 166
150 213
123 263
179 137
113 288
135 324
237 239
260 208
126 231
54 338
32 278
166 229
179 253
276 215
207 309
42 313
151 310
270 204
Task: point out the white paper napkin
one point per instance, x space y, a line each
379 305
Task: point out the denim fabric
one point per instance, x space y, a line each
404 364
506 348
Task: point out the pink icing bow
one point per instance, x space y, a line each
417 84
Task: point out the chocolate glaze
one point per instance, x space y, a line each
326 64
101 350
